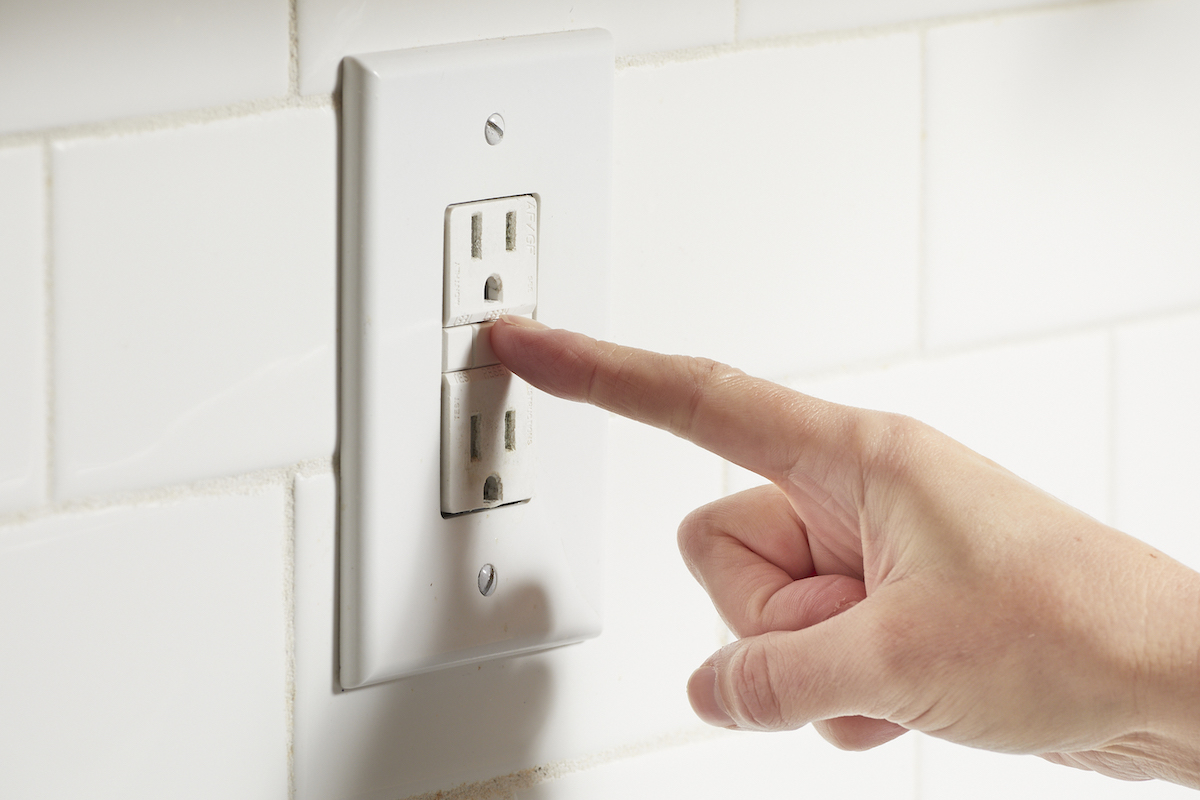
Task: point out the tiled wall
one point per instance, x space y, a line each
979 212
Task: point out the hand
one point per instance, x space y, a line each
891 579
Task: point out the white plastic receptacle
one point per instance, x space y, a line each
488 453
413 146
491 259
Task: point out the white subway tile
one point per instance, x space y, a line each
63 62
758 19
1063 174
473 723
952 772
784 765
406 736
145 652
765 207
1040 410
331 29
194 301
22 329
1158 434
659 623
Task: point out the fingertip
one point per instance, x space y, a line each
705 698
521 322
506 338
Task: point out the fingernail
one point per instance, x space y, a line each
706 702
845 604
523 322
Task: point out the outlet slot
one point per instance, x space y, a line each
493 289
477 236
510 231
510 430
493 490
476 424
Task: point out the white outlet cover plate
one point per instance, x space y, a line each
412 145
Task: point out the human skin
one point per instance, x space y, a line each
890 579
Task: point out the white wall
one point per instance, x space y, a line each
980 213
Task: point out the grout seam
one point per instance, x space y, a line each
922 189
684 55
1039 337
737 21
179 119
918 788
1113 383
166 121
293 51
240 484
48 321
506 786
289 623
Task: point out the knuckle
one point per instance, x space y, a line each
705 375
695 532
755 702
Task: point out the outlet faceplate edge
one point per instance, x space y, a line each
412 145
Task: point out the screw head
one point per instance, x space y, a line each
487 580
493 129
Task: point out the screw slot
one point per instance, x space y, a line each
487 580
493 129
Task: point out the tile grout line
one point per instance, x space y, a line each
293 51
178 119
1015 340
922 188
797 40
1113 363
505 786
170 120
289 629
737 21
240 484
48 341
918 761
1077 329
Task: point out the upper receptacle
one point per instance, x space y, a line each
491 259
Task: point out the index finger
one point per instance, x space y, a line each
754 423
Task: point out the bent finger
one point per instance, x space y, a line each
785 680
750 552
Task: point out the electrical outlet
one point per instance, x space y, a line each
487 440
475 182
491 259
487 412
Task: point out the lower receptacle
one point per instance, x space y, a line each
487 440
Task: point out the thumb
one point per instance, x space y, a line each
786 679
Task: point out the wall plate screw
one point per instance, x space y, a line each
487 580
493 131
